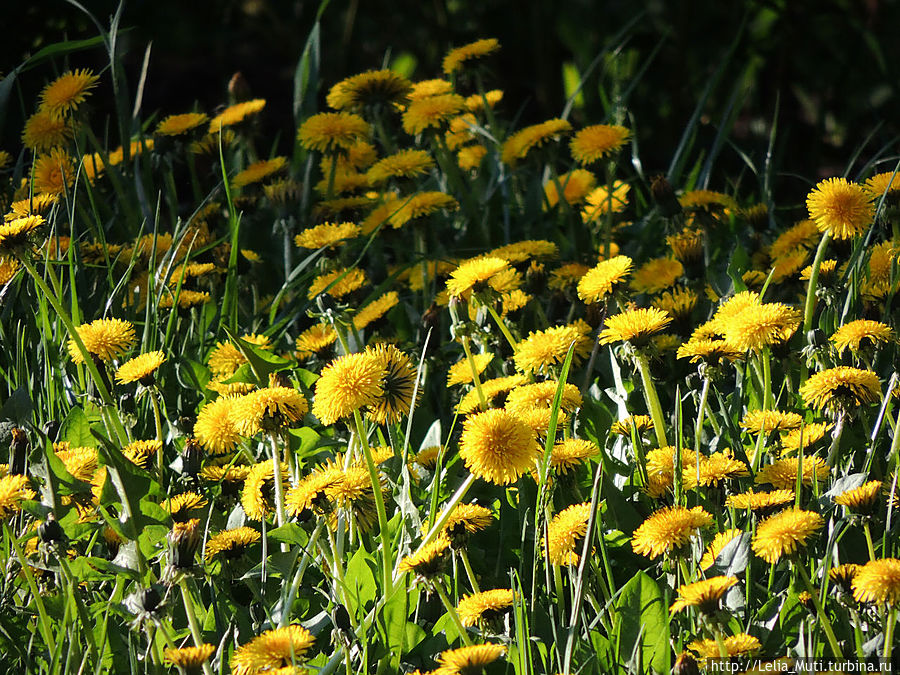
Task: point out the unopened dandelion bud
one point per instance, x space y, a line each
50 531
18 452
664 196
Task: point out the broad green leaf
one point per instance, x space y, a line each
644 623
76 429
290 534
360 581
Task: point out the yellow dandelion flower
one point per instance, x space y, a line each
657 275
397 385
332 132
478 102
80 462
783 472
767 421
140 452
686 245
804 234
34 205
517 146
231 543
679 302
259 171
212 141
348 383
54 173
14 489
706 200
827 269
258 494
327 234
268 409
315 340
421 204
15 233
735 645
106 339
593 143
717 467
522 251
485 607
843 575
276 648
235 114
426 88
717 545
541 394
226 358
668 529
878 581
371 88
760 501
600 201
566 276
188 659
464 520
881 184
140 368
704 594
457 57
67 92
43 132
852 334
184 506
861 499
344 181
469 158
576 185
497 446
469 660
461 131
427 562
570 453
760 325
375 310
634 325
785 533
492 389
229 474
337 283
623 427
461 373
841 388
661 468
566 533
544 349
402 164
840 208
810 434
433 112
474 276
176 125
185 299
538 420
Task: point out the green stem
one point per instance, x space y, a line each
810 305
869 543
276 477
475 378
889 625
502 326
298 576
157 418
379 501
451 610
652 399
192 620
764 357
720 642
824 621
43 618
446 512
701 414
464 556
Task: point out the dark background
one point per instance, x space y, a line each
832 68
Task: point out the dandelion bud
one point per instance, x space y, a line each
685 664
664 196
18 451
184 540
50 532
191 457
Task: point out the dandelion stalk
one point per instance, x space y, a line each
276 477
651 398
464 556
192 620
810 305
379 500
451 611
824 621
157 419
890 623
701 414
43 618
501 325
869 543
475 378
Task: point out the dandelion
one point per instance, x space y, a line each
760 325
840 208
735 645
478 102
426 88
576 185
43 132
544 349
106 339
474 276
485 607
189 659
783 472
15 233
375 310
226 358
565 533
176 125
67 92
597 284
593 143
337 283
469 158
140 452
862 499
371 88
634 326
843 575
679 303
668 529
327 234
402 164
53 172
760 501
542 394
492 389
469 660
231 543
785 533
427 562
717 545
704 595
841 389
706 200
258 495
810 434
461 373
623 427
273 649
259 171
852 334
497 446
599 201
522 251
397 385
878 581
464 520
456 58
233 115
767 421
433 112
268 409
517 146
14 489
657 275
570 453
141 368
332 132
348 383
686 245
182 507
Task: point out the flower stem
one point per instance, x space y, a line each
502 326
652 399
379 502
475 378
464 556
810 305
276 478
192 620
157 418
889 625
869 543
824 621
701 414
43 618
438 586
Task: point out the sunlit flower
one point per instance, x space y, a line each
600 201
140 452
767 421
492 389
783 472
106 339
54 173
717 545
427 562
478 102
853 333
760 501
67 92
337 283
465 519
258 495
861 499
566 276
713 469
268 409
544 349
841 389
274 649
840 208
231 543
433 87
704 594
517 146
375 310
461 373
235 114
469 158
566 533
497 446
679 302
332 132
843 575
455 58
706 200
593 143
485 607
760 325
14 489
473 276
878 581
570 453
433 112
402 164
140 368
576 185
348 383
189 659
327 234
397 385
226 358
371 88
14 234
43 131
598 282
542 394
634 325
810 434
735 645
184 506
785 533
686 245
623 427
657 275
667 529
176 125
521 251
804 234
881 184
468 660
259 171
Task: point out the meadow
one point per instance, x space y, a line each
413 386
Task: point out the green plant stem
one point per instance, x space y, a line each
824 621
438 586
869 543
157 418
652 399
192 620
765 359
298 576
43 618
276 477
464 556
890 623
502 326
76 338
475 378
720 642
701 414
810 305
446 512
379 502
